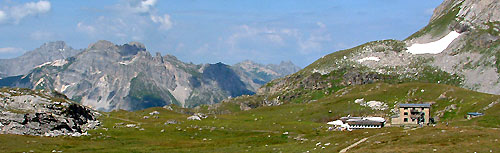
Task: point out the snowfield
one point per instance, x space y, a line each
435 47
128 62
60 62
376 59
46 63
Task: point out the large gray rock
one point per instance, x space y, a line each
42 113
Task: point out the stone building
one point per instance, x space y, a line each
412 114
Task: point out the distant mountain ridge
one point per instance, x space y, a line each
48 52
259 74
106 76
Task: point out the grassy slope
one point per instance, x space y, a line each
253 130
439 26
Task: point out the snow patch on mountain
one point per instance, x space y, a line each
376 59
60 62
128 62
46 63
435 47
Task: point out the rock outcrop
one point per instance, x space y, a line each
43 113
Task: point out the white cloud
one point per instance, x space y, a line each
146 5
165 22
85 28
3 16
115 28
10 50
315 41
143 9
17 13
139 6
305 42
246 33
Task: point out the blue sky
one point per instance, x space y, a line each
210 31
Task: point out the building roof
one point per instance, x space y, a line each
415 105
364 122
475 113
362 119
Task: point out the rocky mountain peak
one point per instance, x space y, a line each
125 50
471 12
137 44
289 65
102 45
131 49
54 45
47 52
248 62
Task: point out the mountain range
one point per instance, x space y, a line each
106 76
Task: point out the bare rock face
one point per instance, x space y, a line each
102 45
42 113
476 12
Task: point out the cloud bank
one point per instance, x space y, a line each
128 19
15 14
10 50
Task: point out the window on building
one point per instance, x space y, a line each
406 113
406 120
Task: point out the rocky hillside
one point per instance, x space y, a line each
460 46
258 74
43 113
106 76
48 52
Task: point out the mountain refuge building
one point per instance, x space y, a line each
412 114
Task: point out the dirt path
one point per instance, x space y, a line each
354 145
357 143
